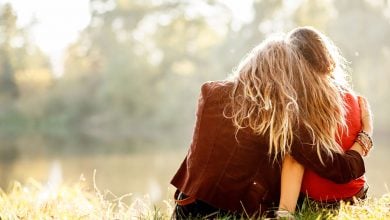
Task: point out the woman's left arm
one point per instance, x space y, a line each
342 168
339 167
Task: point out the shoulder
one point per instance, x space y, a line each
348 95
350 100
352 115
211 87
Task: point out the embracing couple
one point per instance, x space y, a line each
285 124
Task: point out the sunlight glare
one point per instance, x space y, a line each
57 24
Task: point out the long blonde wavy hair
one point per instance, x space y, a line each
287 82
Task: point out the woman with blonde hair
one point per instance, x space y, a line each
330 109
244 128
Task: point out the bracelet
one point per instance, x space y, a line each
366 139
365 150
366 135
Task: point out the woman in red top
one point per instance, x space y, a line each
324 190
312 44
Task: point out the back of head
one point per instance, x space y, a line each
320 89
319 51
314 46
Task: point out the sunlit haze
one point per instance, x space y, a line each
73 16
103 101
57 23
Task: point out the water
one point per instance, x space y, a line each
55 161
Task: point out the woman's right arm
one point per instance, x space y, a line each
367 124
343 167
291 180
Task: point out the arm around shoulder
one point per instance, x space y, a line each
338 167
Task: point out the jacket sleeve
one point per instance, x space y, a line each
182 179
342 168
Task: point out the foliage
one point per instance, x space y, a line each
135 71
23 67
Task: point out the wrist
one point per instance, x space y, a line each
368 130
364 142
358 148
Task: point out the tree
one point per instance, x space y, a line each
25 72
8 31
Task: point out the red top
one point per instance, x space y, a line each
321 189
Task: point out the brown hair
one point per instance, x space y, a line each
321 105
314 49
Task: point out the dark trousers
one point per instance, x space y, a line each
197 210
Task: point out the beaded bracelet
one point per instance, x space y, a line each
365 150
366 139
366 135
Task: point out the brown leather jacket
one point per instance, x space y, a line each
240 175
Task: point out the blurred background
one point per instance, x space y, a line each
112 85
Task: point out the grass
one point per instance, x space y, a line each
371 208
33 200
36 201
